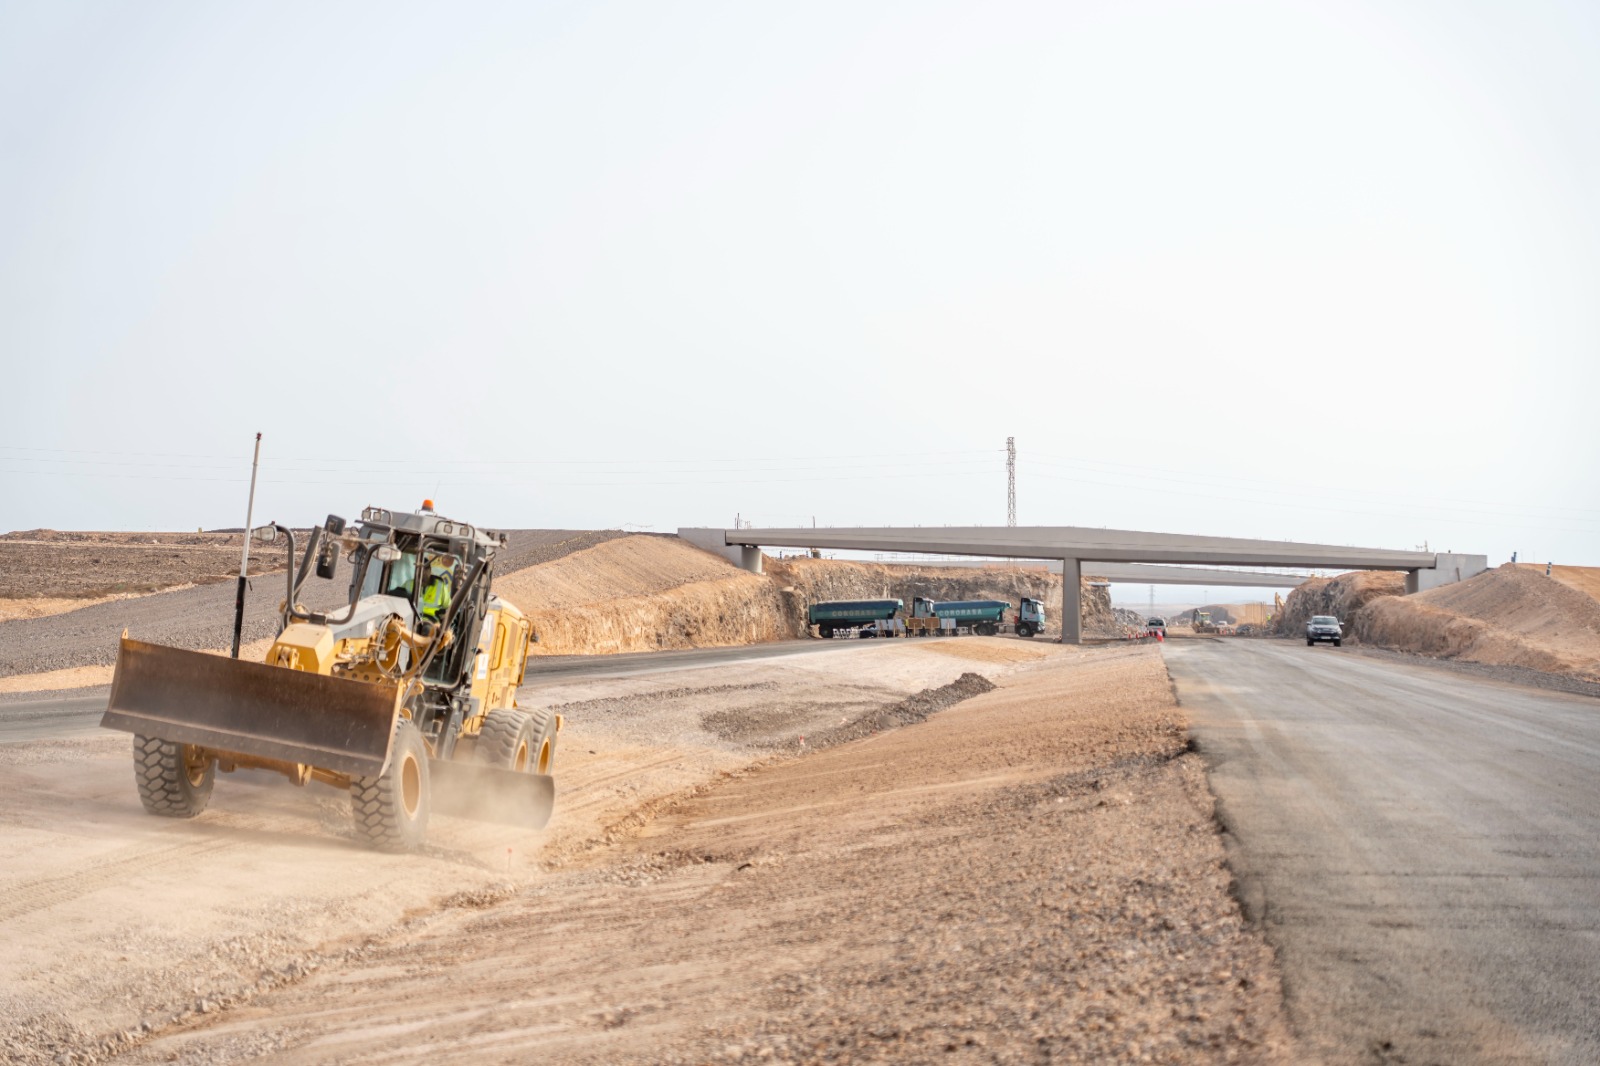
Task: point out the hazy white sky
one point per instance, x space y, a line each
1324 272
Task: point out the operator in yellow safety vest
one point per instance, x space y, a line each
436 594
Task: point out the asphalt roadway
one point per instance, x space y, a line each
77 713
1422 848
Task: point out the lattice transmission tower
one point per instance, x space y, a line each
1011 481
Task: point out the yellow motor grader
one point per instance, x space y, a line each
406 696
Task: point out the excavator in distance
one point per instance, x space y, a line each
406 696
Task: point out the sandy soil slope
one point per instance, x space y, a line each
1030 874
1511 615
644 593
1584 579
625 567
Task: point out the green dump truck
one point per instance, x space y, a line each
831 616
981 616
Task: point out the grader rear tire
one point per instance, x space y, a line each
543 724
174 779
507 740
391 810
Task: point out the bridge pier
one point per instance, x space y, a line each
1071 601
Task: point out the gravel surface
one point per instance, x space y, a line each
1515 675
202 617
45 562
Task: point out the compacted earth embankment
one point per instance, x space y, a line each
1027 874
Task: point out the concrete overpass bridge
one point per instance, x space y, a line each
1076 546
1147 573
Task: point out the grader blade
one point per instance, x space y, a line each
272 712
491 794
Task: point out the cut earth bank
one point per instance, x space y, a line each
1513 615
1030 874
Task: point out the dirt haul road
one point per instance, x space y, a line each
1031 874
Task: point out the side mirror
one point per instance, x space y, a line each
328 559
264 535
334 525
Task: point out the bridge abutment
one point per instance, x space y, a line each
715 541
1448 568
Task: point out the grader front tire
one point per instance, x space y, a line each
174 780
391 809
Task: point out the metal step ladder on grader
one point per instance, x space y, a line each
406 696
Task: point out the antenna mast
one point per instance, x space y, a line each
1011 481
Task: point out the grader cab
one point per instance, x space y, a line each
406 696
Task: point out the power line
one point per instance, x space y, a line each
919 458
1290 505
402 479
1275 487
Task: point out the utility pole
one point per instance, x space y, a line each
1011 481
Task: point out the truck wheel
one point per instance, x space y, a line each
986 629
507 740
1338 643
391 810
825 632
174 779
1024 630
1310 643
